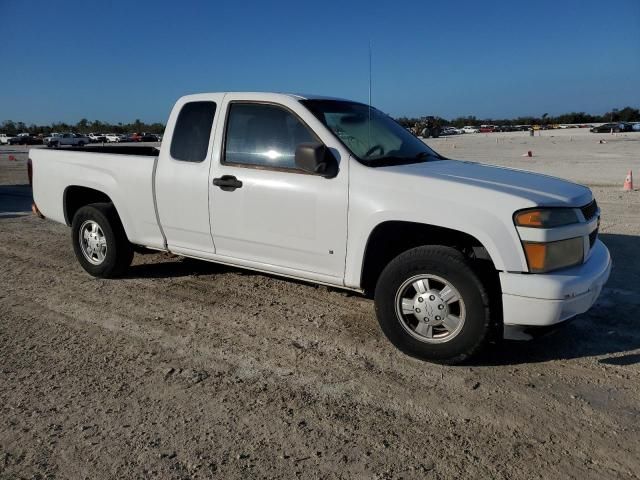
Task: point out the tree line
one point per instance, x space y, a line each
83 126
626 114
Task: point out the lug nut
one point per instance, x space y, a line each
417 310
438 317
432 297
440 307
420 299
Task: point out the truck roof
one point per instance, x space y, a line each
298 96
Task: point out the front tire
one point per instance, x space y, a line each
431 305
99 241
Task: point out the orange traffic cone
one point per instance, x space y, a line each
628 182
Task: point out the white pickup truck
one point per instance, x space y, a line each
337 193
68 139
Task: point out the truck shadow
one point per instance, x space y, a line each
609 329
15 201
175 267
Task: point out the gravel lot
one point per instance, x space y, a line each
192 370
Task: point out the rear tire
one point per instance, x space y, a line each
431 305
99 241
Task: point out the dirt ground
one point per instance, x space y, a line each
192 370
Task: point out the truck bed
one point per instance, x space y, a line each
124 174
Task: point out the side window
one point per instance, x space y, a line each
265 135
192 131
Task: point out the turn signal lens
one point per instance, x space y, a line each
546 218
536 253
544 257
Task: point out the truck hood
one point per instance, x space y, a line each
539 189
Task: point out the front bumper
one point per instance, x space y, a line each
548 299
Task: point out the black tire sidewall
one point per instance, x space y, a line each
117 252
450 265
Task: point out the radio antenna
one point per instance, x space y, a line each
369 72
369 93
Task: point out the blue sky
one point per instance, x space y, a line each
121 60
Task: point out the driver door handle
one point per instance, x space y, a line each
228 183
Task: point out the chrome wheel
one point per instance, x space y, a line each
93 242
430 309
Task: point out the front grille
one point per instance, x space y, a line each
590 210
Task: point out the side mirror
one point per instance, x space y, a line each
316 158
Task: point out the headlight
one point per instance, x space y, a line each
544 257
546 217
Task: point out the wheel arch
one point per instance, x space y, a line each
76 196
390 238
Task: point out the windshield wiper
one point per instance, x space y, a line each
390 160
429 154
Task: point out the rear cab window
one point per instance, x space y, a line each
192 132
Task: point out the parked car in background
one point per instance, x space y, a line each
615 127
52 137
450 131
133 137
635 127
470 129
97 138
113 137
148 137
25 139
4 138
70 139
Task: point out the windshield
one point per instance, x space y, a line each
372 137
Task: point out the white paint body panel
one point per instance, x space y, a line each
542 300
182 190
313 228
283 218
126 179
476 199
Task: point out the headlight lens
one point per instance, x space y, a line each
544 257
546 217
